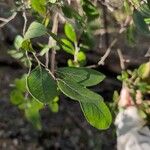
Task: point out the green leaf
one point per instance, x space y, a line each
41 85
141 25
81 58
68 47
71 63
84 76
32 113
97 114
39 6
93 107
70 12
70 32
18 42
16 54
115 96
144 72
53 105
27 46
16 97
76 91
45 49
20 84
35 30
52 1
90 10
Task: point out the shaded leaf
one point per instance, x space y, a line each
97 114
93 107
84 76
41 85
90 10
140 23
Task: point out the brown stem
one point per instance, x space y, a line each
52 42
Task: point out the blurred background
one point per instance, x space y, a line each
67 129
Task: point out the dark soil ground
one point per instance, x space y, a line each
65 130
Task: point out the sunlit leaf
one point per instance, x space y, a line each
35 30
20 84
39 6
16 97
18 42
53 105
27 46
144 71
70 32
68 46
52 1
32 113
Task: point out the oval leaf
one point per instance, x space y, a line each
35 30
84 76
93 107
98 115
68 47
76 91
144 72
52 1
41 85
39 6
70 32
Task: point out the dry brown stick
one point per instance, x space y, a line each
103 58
7 20
25 18
122 64
52 42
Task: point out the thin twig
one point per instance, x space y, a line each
5 21
102 60
52 42
122 64
25 23
25 19
76 52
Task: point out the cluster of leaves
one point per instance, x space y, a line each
45 85
45 88
138 80
26 103
140 21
